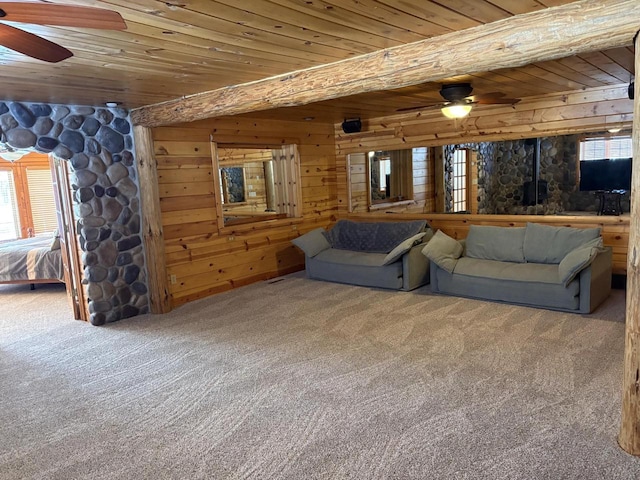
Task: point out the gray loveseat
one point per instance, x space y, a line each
559 268
372 254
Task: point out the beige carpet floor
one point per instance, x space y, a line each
299 379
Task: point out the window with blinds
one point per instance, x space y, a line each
43 211
9 215
600 148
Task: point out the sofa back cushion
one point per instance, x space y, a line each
505 244
548 244
373 237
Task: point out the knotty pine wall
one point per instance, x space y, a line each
204 261
589 110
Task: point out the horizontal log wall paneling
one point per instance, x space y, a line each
199 259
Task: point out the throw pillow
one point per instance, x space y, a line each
55 241
496 243
548 244
402 248
576 260
443 250
312 243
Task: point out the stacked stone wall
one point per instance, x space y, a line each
98 144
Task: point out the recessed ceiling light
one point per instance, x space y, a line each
112 104
308 119
614 130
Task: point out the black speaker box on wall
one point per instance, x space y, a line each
352 125
631 87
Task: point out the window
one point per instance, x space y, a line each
599 148
41 200
256 184
9 216
27 205
459 177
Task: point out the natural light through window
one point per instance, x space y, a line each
9 223
600 148
459 180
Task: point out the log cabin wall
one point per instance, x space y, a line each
574 112
200 261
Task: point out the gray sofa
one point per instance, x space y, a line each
558 268
373 254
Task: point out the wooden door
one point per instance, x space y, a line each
68 238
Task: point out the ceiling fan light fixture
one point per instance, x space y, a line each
456 110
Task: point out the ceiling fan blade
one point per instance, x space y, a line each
32 45
486 96
62 15
497 101
421 107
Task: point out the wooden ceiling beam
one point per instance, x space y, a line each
582 26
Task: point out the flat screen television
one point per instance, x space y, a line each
607 175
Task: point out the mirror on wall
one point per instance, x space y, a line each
391 176
256 184
535 176
382 179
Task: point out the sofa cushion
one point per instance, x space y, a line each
496 243
313 242
443 250
403 247
578 259
514 272
375 237
548 244
535 294
366 270
351 257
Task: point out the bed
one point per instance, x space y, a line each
31 260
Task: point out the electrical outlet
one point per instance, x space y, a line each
294 227
231 238
173 280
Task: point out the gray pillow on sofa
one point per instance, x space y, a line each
576 260
548 244
403 247
312 243
505 244
443 250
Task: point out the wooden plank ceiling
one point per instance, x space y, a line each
173 48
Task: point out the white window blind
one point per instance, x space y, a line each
9 216
459 180
600 148
43 207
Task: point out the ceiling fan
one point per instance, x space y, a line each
458 100
50 14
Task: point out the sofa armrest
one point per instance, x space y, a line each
595 281
415 268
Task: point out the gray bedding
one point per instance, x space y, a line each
30 259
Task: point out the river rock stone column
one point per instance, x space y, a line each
98 144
